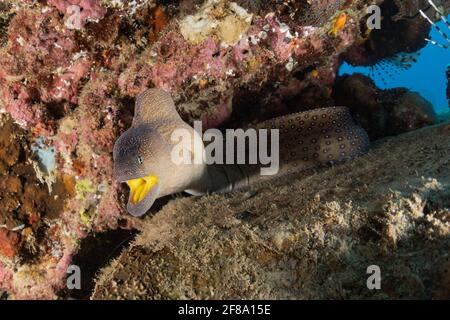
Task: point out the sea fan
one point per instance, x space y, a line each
441 15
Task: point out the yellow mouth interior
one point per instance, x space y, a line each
141 186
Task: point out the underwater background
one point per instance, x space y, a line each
71 72
427 76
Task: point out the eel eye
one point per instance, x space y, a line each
140 160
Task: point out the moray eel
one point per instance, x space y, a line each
142 154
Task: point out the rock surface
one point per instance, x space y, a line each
310 236
381 112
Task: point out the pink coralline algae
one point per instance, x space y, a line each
88 9
268 53
40 68
6 275
64 86
174 62
76 89
18 102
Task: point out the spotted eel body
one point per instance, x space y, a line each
306 140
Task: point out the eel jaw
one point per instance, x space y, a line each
143 193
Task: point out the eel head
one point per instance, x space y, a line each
138 161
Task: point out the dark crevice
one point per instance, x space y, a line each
96 251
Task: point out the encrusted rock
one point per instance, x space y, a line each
383 112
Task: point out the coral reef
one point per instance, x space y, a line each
90 10
71 90
383 112
389 208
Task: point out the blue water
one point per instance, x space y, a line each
427 76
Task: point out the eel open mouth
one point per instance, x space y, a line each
143 192
140 187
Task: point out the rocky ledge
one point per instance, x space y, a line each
309 236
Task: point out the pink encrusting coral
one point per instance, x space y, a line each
6 275
18 102
76 88
267 46
88 9
170 62
38 68
64 87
